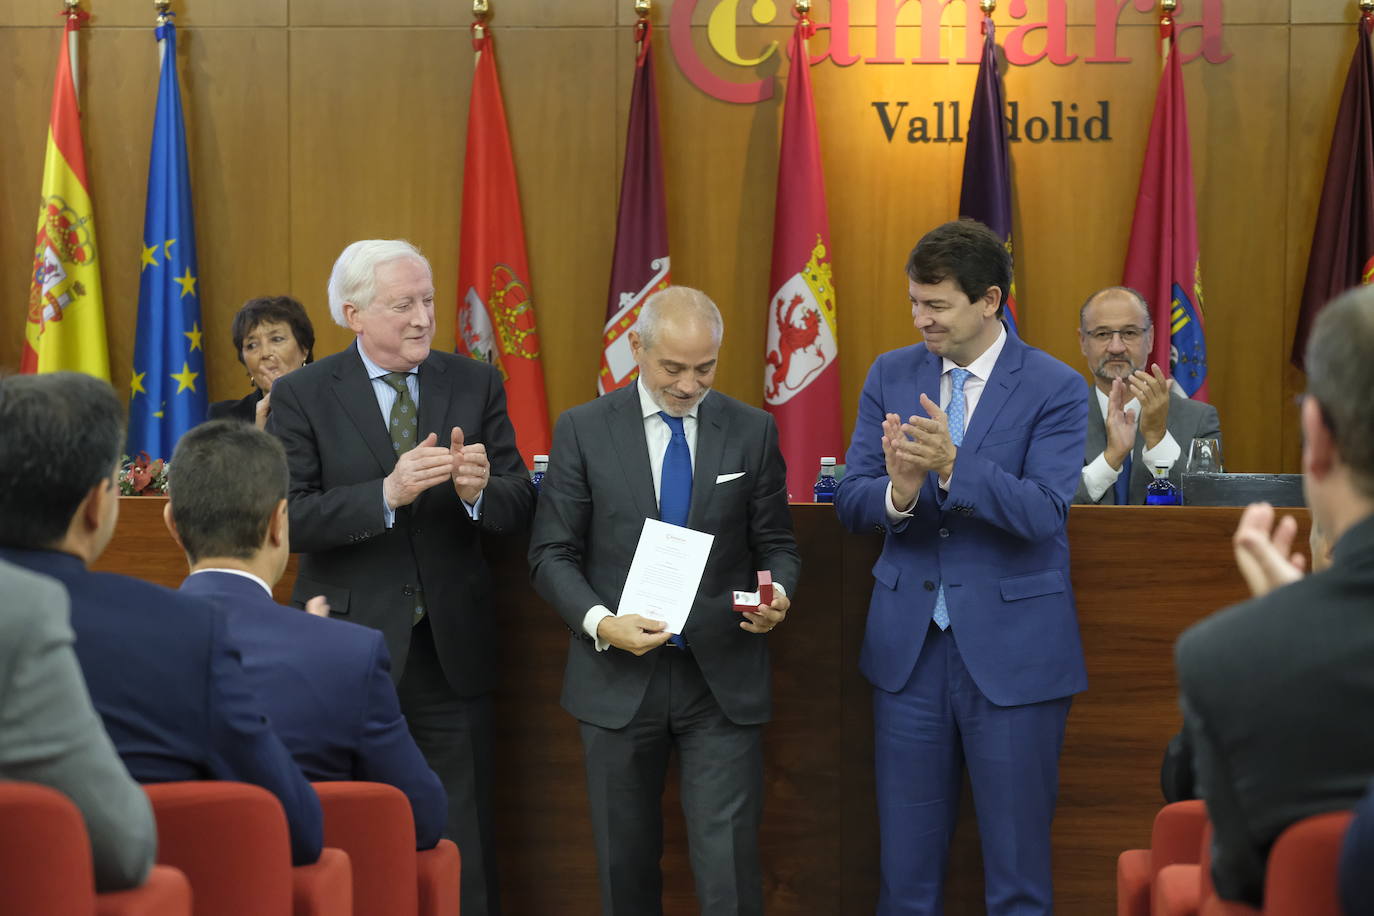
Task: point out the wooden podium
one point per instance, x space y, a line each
1140 576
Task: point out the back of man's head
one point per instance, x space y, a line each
61 436
225 480
1340 376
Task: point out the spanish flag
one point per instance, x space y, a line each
65 329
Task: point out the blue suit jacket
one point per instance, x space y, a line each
168 681
997 539
327 686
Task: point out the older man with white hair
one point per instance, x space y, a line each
401 456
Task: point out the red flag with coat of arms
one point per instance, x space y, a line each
801 378
495 308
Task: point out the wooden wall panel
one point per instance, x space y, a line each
377 118
569 173
315 122
1319 58
141 13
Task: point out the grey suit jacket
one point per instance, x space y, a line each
597 493
1276 697
1188 420
50 733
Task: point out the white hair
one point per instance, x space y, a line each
682 300
354 277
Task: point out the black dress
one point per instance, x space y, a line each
245 409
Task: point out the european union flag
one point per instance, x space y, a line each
167 395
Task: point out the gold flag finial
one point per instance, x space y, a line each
1367 6
987 6
803 8
164 11
481 9
644 7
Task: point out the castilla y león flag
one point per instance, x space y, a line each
495 309
1343 241
1162 256
65 329
801 374
640 266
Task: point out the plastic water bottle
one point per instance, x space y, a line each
1161 491
541 466
826 484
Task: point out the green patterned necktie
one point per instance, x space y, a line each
404 427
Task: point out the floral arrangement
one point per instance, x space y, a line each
142 476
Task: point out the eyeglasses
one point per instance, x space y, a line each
1128 335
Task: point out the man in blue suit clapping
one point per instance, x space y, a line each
162 670
966 455
325 683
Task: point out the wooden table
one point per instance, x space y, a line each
1140 575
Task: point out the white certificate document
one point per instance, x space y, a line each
665 573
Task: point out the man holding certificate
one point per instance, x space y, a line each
660 489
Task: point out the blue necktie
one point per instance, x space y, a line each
1123 482
675 485
958 406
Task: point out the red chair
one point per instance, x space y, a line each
231 840
1301 877
439 870
373 823
165 893
45 863
1174 839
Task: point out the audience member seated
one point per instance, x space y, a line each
161 669
1357 860
50 734
1135 418
326 684
272 336
1276 691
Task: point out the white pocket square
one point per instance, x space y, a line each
726 478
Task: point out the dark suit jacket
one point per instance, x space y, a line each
337 444
327 686
1357 860
1276 695
996 540
168 681
1188 420
599 489
245 409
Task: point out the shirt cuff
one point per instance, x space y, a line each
1166 451
893 515
474 509
388 513
1099 477
590 623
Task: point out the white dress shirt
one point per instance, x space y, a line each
980 370
386 399
237 572
1099 476
657 435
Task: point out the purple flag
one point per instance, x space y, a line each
986 192
1343 241
640 267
